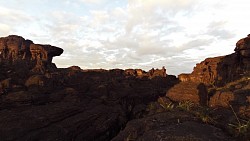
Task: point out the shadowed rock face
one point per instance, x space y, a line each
72 104
41 102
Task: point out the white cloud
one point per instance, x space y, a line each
99 18
12 15
4 29
134 33
93 1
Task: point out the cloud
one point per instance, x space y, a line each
93 1
4 29
14 21
129 34
216 29
99 18
11 19
11 16
195 43
146 13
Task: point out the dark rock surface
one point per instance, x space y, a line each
170 126
78 106
40 102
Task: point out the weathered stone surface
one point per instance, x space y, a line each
238 98
170 126
204 72
15 49
85 109
189 91
44 52
38 80
218 71
222 98
243 47
150 74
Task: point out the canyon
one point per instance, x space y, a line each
39 101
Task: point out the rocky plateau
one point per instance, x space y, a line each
39 101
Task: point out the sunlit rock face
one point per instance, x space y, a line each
226 77
243 47
15 49
150 74
221 70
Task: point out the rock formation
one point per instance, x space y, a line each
48 103
221 70
189 91
226 78
150 74
243 47
15 49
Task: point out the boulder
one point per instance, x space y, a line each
189 91
170 126
5 86
36 80
222 99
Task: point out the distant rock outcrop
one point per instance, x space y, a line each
220 70
226 78
243 47
15 49
150 74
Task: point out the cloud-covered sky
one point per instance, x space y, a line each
123 34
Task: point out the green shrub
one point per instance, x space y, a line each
185 105
204 113
166 105
242 127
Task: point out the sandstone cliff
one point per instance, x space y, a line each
219 71
15 49
218 82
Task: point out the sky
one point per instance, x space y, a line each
144 34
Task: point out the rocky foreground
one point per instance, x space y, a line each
39 101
